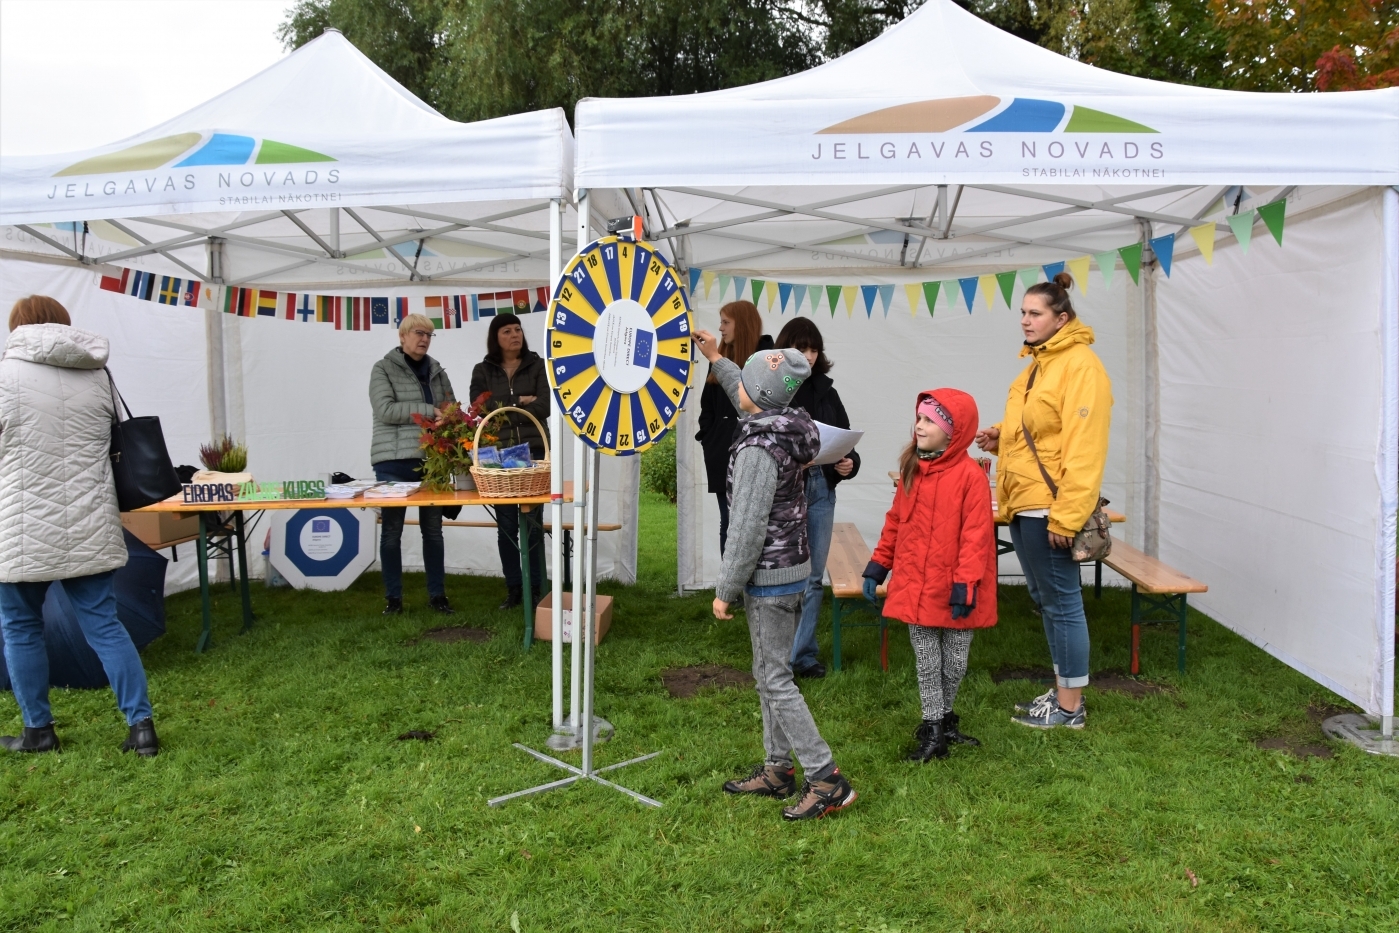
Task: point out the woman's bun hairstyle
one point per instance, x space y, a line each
1056 294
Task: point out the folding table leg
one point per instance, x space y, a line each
883 644
526 583
206 634
1136 630
243 570
1180 646
835 634
1097 579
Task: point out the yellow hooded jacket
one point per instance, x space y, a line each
1068 412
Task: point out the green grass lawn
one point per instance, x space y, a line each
282 798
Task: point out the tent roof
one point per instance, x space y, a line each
944 97
266 164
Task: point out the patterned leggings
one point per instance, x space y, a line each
942 663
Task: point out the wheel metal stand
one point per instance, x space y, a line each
589 647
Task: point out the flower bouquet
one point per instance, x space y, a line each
447 442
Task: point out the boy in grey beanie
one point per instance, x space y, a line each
766 562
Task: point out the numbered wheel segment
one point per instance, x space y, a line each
619 345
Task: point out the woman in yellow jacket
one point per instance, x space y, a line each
1048 485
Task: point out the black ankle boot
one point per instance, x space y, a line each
394 606
141 739
949 729
932 741
42 739
514 596
440 604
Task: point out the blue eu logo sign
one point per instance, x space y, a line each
320 526
641 356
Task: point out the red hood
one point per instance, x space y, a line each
962 408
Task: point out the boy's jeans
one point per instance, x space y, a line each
787 724
820 517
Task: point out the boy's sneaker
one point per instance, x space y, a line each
765 781
820 798
1043 700
1054 716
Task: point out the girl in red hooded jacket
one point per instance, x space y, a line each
939 540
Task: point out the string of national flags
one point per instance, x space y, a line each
990 284
343 311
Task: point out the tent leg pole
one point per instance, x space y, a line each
556 489
581 496
1388 461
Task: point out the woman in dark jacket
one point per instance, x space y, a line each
515 376
740 336
821 401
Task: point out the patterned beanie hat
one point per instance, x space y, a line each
929 408
772 377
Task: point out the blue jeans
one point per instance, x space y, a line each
820 515
1055 585
391 534
507 539
94 599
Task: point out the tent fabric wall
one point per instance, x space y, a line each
1271 405
880 365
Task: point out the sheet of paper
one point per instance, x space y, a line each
835 443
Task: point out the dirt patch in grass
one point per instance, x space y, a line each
1320 712
1044 675
454 633
420 735
1297 748
685 682
1121 682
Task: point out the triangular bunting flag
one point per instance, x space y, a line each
708 279
801 295
758 286
1107 265
1078 268
1053 269
1132 259
930 293
987 284
868 292
849 292
784 291
724 285
1272 215
949 288
1007 282
914 293
739 282
1029 276
832 296
695 278
968 290
1203 236
1242 227
771 294
886 295
1165 249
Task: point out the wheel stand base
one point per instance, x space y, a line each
566 738
578 775
1362 731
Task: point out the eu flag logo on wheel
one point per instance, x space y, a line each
379 310
320 526
641 355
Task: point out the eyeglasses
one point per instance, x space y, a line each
422 333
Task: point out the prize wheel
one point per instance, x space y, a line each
618 345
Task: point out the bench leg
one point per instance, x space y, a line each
1180 646
835 634
1136 631
884 644
1097 579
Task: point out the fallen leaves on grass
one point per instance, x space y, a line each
422 735
1194 882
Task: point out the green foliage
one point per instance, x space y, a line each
283 799
658 468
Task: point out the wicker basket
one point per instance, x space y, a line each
518 483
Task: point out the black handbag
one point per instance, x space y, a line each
141 464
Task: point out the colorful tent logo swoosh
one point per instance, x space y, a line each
1023 115
194 149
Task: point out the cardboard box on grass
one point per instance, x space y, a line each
544 623
156 528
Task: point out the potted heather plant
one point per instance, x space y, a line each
225 461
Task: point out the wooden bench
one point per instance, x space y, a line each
846 564
1156 587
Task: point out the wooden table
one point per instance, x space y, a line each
235 538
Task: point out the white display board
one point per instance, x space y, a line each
323 549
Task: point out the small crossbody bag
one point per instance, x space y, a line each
1094 540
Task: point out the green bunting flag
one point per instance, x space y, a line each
1242 226
757 286
1132 259
930 293
724 285
1029 276
1007 282
1272 215
832 297
949 289
1107 265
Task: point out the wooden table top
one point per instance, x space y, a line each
177 504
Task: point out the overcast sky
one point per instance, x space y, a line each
75 74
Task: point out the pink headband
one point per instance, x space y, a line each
935 413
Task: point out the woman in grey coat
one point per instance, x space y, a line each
59 518
408 382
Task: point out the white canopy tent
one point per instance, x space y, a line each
1254 442
321 174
